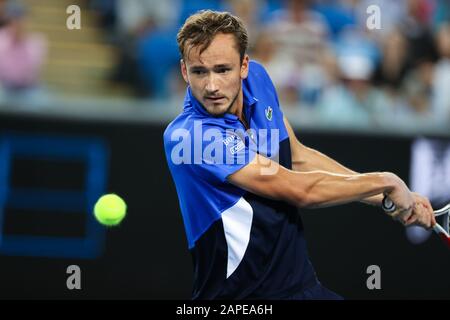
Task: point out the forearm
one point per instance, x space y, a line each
315 160
323 189
315 189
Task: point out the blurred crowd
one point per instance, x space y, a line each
333 58
22 55
321 54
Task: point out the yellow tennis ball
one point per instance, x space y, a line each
110 210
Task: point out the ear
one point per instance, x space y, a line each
184 71
244 67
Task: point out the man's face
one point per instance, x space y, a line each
215 75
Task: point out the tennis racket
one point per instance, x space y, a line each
441 229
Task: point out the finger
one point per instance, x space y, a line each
412 220
428 204
403 215
422 200
427 219
433 219
429 214
403 222
423 216
405 219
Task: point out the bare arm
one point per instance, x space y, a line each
316 189
305 159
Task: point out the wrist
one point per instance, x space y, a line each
391 182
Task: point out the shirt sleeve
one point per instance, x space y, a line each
223 152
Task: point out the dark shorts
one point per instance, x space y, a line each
317 292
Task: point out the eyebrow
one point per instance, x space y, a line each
217 66
197 68
225 65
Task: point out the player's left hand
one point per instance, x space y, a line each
422 213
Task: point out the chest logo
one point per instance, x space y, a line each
269 113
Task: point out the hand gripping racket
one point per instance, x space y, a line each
442 230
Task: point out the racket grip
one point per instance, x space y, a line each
442 234
439 230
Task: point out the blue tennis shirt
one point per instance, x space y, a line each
243 246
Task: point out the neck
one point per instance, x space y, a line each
238 106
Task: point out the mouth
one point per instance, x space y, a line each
214 99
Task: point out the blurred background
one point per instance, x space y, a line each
82 112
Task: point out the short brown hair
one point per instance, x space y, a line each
201 28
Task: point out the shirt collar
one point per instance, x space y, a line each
249 97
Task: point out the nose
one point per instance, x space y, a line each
211 84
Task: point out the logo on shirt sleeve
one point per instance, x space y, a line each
269 113
234 143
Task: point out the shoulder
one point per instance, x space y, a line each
181 125
258 77
260 85
194 126
257 70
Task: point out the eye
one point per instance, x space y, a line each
198 72
223 70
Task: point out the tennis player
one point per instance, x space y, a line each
240 173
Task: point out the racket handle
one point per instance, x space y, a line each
438 229
442 234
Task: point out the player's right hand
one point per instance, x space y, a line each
423 214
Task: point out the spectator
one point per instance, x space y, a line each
22 55
353 101
416 28
392 68
251 13
266 52
138 16
391 13
421 54
158 70
417 88
301 37
137 21
338 14
107 16
441 77
2 13
441 12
